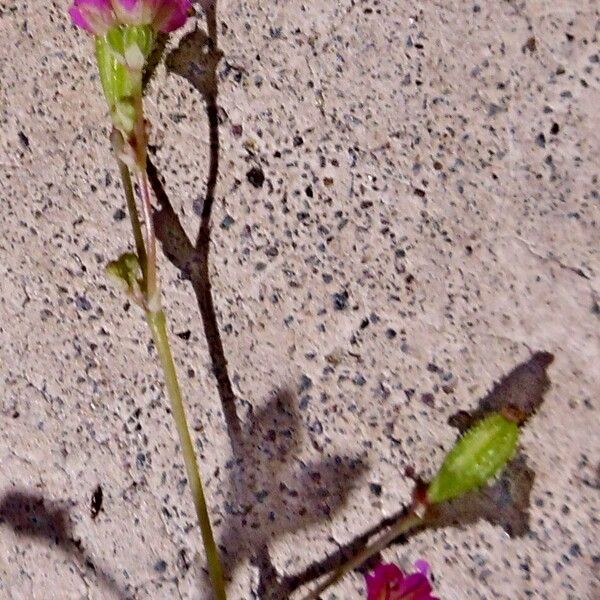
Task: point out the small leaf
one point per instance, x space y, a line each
125 272
476 457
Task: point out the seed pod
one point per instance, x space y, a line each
476 457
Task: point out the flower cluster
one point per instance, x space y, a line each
388 582
99 16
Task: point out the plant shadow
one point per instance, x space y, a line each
276 492
31 516
522 389
270 491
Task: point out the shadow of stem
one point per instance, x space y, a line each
196 58
504 503
250 524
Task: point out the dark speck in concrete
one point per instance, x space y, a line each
428 399
23 139
359 379
540 140
96 503
82 303
160 566
227 222
375 489
530 45
305 384
256 177
340 300
119 214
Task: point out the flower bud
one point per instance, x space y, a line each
476 457
125 31
98 16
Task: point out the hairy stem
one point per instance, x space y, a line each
405 523
157 323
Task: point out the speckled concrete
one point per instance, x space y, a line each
407 207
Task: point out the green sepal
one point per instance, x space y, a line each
120 77
475 458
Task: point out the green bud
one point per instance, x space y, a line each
121 54
476 457
126 273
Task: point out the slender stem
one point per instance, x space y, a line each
157 323
150 274
155 317
402 525
140 146
117 141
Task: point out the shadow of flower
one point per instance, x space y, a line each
275 493
32 516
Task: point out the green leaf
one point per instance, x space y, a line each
475 458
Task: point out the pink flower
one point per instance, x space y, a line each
98 16
388 582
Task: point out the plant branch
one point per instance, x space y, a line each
405 523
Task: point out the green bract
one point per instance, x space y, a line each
476 457
121 54
125 272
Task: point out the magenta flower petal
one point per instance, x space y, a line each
95 16
171 14
163 15
414 587
422 566
98 16
378 581
133 12
99 5
78 19
388 582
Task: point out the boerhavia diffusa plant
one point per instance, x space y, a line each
124 33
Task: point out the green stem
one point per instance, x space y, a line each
157 323
150 280
402 525
140 247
